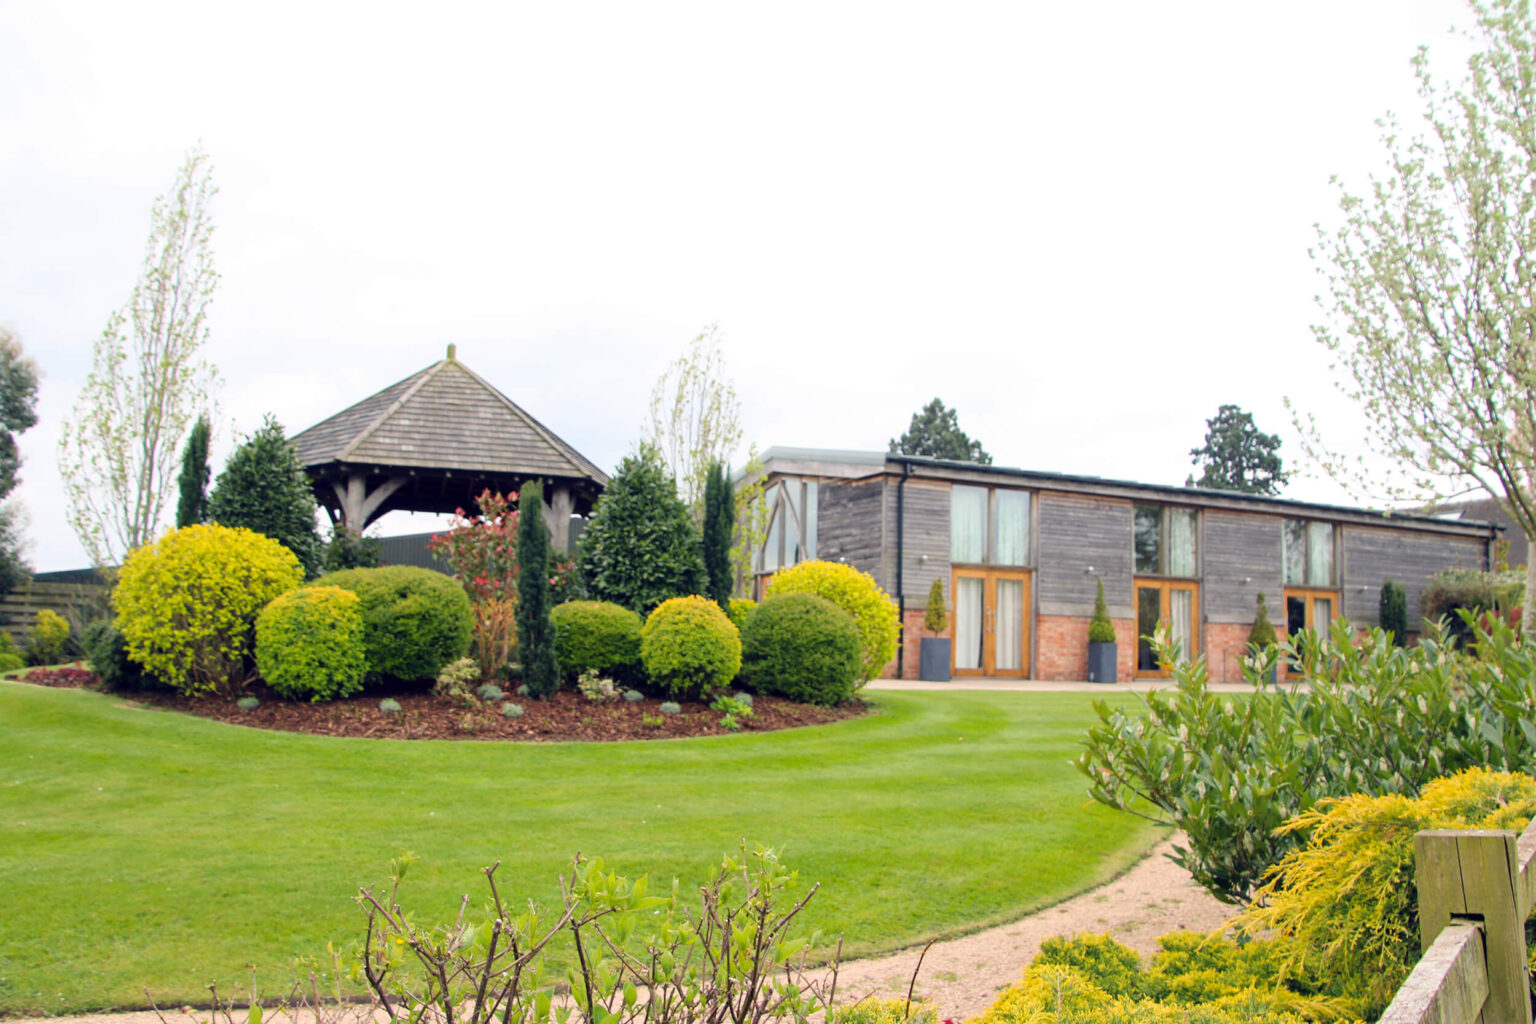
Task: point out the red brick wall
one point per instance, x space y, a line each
1226 644
1061 645
911 651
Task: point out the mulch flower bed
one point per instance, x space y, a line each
565 716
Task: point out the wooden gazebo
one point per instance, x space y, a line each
432 443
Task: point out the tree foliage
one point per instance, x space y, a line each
695 416
264 488
719 525
935 432
118 454
192 507
1429 311
1236 456
535 632
641 547
18 413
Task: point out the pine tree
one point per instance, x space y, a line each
192 506
535 632
1236 456
935 432
264 488
719 521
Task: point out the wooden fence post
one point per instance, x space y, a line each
1476 875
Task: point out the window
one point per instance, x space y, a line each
1164 540
988 526
791 535
1308 553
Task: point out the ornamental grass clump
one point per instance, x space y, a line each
187 604
856 593
309 644
689 648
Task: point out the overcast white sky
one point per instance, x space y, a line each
1084 226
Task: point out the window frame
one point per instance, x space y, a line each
990 530
1164 547
1306 582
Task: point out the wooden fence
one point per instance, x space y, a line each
1476 889
19 608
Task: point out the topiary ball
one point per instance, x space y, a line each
689 647
596 636
309 643
803 648
856 593
415 621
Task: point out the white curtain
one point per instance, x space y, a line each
1320 554
1008 639
968 525
1181 608
1322 615
1012 528
1181 542
968 616
1295 551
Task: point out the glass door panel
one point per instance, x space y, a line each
1170 602
991 622
1322 613
1008 638
1149 610
970 618
1308 609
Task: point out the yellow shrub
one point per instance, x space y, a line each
856 593
187 604
885 1011
309 643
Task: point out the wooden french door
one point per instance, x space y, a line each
1171 601
991 636
1307 608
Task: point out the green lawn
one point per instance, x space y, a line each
145 849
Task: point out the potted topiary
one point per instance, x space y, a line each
1103 651
934 654
1261 637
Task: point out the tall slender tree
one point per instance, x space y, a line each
18 412
148 377
695 417
192 507
535 632
719 525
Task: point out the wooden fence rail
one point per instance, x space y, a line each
1476 889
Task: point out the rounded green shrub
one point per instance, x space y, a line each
12 662
596 636
512 710
670 708
187 604
489 692
803 648
309 643
49 635
107 652
689 647
248 703
741 607
856 593
415 621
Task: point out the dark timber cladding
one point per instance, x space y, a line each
1242 559
1084 539
1371 557
432 443
925 539
846 510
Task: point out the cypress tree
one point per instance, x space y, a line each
264 488
1394 612
719 523
192 506
535 633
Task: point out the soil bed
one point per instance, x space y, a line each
565 716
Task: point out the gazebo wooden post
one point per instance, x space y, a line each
557 516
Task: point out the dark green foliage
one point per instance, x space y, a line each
348 549
535 633
1394 612
1374 719
689 647
1262 633
264 488
1236 457
803 648
1457 590
935 432
596 636
1100 629
107 652
18 413
719 524
641 548
415 621
192 505
11 657
936 615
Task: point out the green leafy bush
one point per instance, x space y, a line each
1374 718
670 708
689 647
596 636
1457 590
1101 630
856 593
12 662
187 604
1111 966
309 644
885 1011
1346 900
1394 612
415 621
107 652
248 703
457 680
511 710
1261 635
803 648
596 688
50 632
740 608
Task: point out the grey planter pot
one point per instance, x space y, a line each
1103 662
933 659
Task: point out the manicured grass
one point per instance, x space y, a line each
142 849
